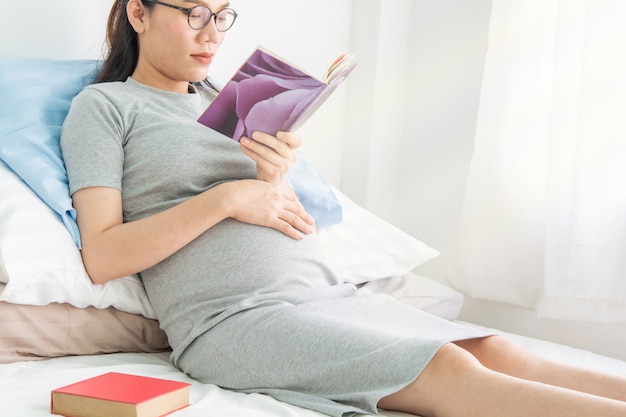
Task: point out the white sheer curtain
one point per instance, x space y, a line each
544 220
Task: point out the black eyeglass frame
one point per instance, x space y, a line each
188 11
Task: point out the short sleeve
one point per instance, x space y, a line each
92 140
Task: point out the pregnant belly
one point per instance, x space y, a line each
235 258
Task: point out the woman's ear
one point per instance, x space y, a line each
136 15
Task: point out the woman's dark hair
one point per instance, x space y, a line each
122 43
123 47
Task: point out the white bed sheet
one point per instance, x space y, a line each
25 386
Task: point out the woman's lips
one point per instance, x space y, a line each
203 58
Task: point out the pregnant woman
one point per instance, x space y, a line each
231 261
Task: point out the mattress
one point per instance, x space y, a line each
25 386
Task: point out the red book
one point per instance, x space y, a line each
120 395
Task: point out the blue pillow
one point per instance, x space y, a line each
315 194
35 96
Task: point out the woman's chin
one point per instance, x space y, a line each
196 78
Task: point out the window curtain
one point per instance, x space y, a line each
544 218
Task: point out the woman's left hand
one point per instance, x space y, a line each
274 155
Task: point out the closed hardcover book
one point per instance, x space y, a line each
120 395
270 94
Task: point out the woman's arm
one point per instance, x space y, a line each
112 248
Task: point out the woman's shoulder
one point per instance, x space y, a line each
113 101
101 93
114 94
112 88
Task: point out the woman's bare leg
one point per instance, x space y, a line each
455 383
505 356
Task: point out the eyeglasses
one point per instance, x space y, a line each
199 17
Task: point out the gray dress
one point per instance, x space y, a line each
244 307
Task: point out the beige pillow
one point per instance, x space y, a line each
37 332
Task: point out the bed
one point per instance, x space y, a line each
25 386
57 328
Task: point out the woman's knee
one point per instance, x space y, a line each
451 361
425 396
501 354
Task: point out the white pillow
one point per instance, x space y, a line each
41 262
421 293
3 274
364 247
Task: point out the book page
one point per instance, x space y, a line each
342 64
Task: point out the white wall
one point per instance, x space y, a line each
381 36
412 114
63 29
448 51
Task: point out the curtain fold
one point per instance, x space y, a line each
544 218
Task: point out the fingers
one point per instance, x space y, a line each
291 140
271 167
274 155
297 222
300 219
278 207
293 226
272 149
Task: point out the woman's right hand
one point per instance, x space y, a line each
112 248
270 205
273 155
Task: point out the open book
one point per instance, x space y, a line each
269 94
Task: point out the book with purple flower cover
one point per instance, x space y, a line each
269 94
